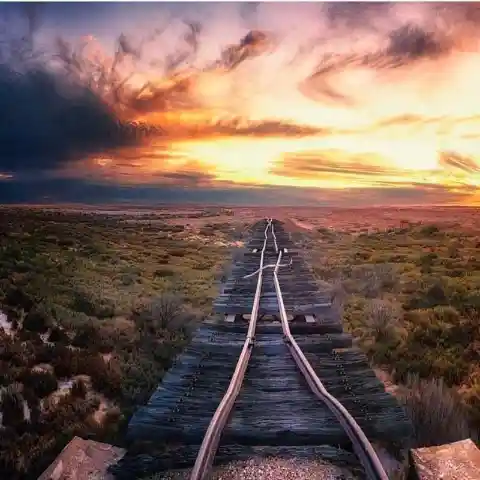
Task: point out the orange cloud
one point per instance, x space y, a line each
331 96
318 164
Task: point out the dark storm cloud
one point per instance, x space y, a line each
413 42
46 119
399 47
84 192
81 191
406 44
462 12
180 179
45 122
355 14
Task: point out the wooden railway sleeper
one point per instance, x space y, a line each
367 456
347 387
212 437
177 408
363 448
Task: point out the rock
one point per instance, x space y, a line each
453 461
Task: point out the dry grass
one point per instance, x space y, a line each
412 294
437 413
116 299
382 318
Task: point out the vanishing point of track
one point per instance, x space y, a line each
248 383
362 447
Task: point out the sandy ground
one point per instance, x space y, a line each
343 219
302 224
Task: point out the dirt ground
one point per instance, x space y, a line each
297 218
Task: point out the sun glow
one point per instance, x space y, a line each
250 160
381 99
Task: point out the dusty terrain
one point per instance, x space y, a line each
85 292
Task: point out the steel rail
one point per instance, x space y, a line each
208 449
362 446
272 265
274 236
211 439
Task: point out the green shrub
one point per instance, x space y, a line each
435 295
92 304
18 297
382 318
160 313
42 383
58 335
38 319
164 272
429 230
12 406
177 252
106 377
79 389
66 362
86 336
128 279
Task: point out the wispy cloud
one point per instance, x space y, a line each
321 164
333 95
452 160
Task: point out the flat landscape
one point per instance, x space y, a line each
139 143
96 302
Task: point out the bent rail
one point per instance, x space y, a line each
362 446
211 440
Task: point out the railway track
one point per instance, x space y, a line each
209 446
249 383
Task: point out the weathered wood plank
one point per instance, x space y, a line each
275 410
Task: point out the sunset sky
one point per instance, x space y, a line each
276 103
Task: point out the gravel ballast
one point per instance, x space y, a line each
272 469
